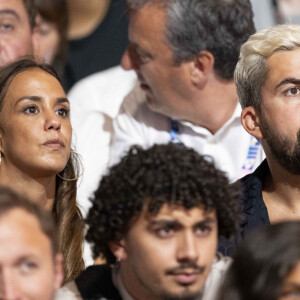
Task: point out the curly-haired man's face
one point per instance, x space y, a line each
168 255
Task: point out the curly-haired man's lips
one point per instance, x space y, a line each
186 275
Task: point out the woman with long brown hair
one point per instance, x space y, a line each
35 147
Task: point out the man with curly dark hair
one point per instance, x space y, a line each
156 217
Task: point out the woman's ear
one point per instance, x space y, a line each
251 122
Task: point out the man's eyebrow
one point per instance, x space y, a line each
206 221
287 81
139 49
10 12
166 222
25 256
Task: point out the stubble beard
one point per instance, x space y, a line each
286 152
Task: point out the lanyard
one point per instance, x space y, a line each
251 156
174 132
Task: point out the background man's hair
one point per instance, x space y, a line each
164 174
10 200
217 26
252 70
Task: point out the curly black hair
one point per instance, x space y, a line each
163 174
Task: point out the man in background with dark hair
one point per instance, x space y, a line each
30 265
156 217
18 35
184 54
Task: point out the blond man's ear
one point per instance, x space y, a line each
251 122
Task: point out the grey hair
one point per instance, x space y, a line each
217 26
252 69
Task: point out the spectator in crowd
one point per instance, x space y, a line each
31 267
35 150
156 218
268 84
18 34
266 265
97 37
184 54
52 24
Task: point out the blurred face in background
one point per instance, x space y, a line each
291 285
28 268
49 40
16 36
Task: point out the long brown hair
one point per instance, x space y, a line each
69 220
66 214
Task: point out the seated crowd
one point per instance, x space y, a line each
199 198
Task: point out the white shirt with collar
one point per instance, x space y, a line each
137 124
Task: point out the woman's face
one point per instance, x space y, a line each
35 124
49 40
291 285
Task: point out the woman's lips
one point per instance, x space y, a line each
54 144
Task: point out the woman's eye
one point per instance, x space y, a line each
293 91
31 110
63 112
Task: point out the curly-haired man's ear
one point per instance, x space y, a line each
118 248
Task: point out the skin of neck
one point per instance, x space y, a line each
217 105
281 189
85 16
40 190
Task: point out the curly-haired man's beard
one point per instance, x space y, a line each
282 147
